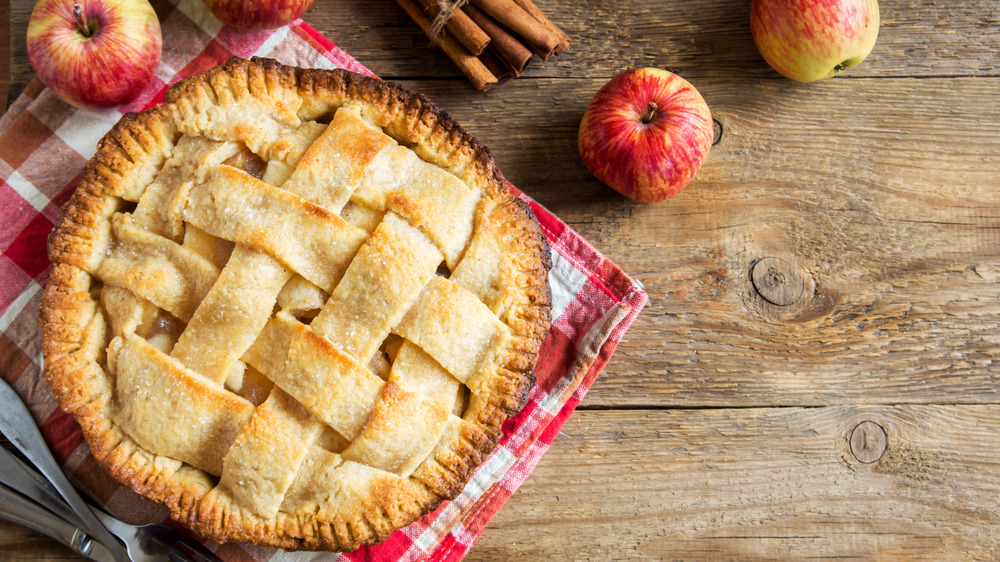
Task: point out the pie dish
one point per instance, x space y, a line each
294 306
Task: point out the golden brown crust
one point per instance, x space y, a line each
76 334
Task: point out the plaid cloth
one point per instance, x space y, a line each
44 144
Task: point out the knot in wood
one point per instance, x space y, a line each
716 131
778 281
868 442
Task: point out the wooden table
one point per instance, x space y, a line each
857 416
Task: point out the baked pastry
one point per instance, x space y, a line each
293 306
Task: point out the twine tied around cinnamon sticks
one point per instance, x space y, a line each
491 41
445 11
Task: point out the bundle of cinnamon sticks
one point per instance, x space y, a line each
491 41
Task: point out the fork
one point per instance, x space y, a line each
20 429
155 542
52 516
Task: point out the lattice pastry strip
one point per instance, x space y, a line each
327 484
308 239
426 196
416 371
126 312
326 381
157 269
453 326
401 430
283 155
173 410
215 250
379 287
299 297
333 166
191 159
265 457
479 270
232 314
410 418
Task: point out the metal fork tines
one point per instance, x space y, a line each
157 541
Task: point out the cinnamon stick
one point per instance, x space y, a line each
480 76
539 15
541 40
497 66
509 48
470 35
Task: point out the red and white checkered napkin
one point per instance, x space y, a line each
44 145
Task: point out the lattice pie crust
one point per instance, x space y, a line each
293 306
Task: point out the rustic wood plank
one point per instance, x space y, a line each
926 39
20 69
742 484
752 484
19 543
882 194
711 36
5 52
608 37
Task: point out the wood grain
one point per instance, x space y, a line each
926 39
5 52
20 68
915 39
882 193
759 484
18 543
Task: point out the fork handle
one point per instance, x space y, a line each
28 482
17 424
17 509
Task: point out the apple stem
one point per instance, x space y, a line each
82 24
650 112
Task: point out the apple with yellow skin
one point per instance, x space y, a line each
646 134
809 40
258 14
94 53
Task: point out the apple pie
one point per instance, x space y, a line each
294 306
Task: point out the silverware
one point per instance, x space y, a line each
19 427
149 542
154 543
27 481
17 509
157 542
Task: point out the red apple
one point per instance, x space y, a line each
646 133
94 53
808 40
261 14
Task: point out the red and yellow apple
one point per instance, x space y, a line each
809 40
646 134
94 53
259 14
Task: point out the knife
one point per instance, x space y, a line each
18 476
18 509
18 426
